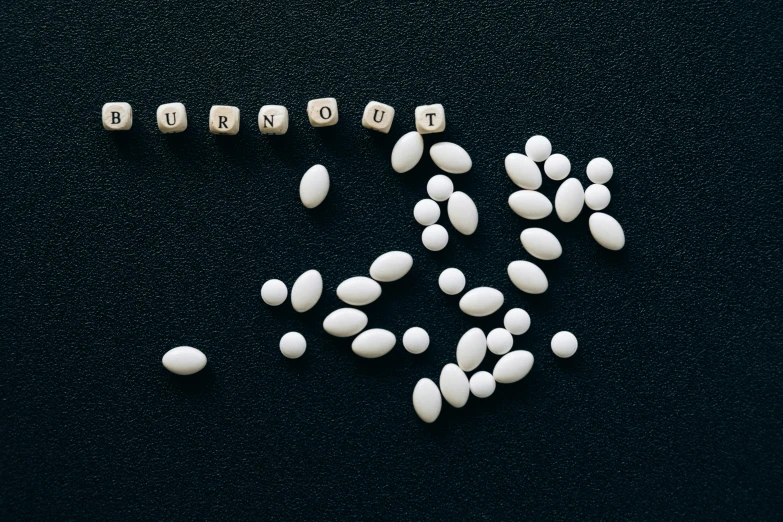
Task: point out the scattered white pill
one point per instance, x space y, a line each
451 158
293 345
358 291
471 349
427 400
541 244
500 341
306 290
407 152
527 277
597 197
482 384
451 281
391 266
517 321
373 343
607 231
345 322
481 301
274 292
314 186
440 187
184 360
564 344
416 340
569 200
435 237
462 213
454 385
557 167
538 148
599 170
513 367
426 212
530 204
523 171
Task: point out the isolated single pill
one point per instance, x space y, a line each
184 360
293 345
416 340
564 344
274 292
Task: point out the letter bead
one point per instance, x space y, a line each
172 118
378 116
224 119
117 116
273 119
430 119
322 112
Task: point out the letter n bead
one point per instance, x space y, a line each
322 112
117 116
224 119
172 118
273 119
430 119
378 116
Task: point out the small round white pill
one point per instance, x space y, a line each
482 384
451 281
597 197
426 212
293 345
517 321
499 341
435 238
538 148
274 292
599 170
416 340
440 187
564 344
557 167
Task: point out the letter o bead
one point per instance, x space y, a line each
378 116
117 116
172 118
322 112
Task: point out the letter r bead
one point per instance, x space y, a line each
224 119
430 119
378 116
117 116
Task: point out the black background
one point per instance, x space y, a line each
119 246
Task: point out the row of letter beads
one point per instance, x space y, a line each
273 119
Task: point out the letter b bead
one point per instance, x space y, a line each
172 118
117 116
378 116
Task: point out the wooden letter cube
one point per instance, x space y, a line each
172 118
430 119
117 116
224 119
378 116
322 112
273 119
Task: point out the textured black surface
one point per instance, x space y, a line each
117 247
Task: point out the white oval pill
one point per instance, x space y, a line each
314 186
416 340
293 345
599 170
538 148
358 291
274 292
541 244
345 322
557 167
523 171
500 341
513 366
481 301
427 401
564 344
471 349
597 197
482 384
530 204
306 291
435 237
407 152
451 281
463 213
527 277
373 343
569 200
426 212
517 321
454 385
440 187
451 158
391 266
184 360
607 231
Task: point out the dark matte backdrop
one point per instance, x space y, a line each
119 246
